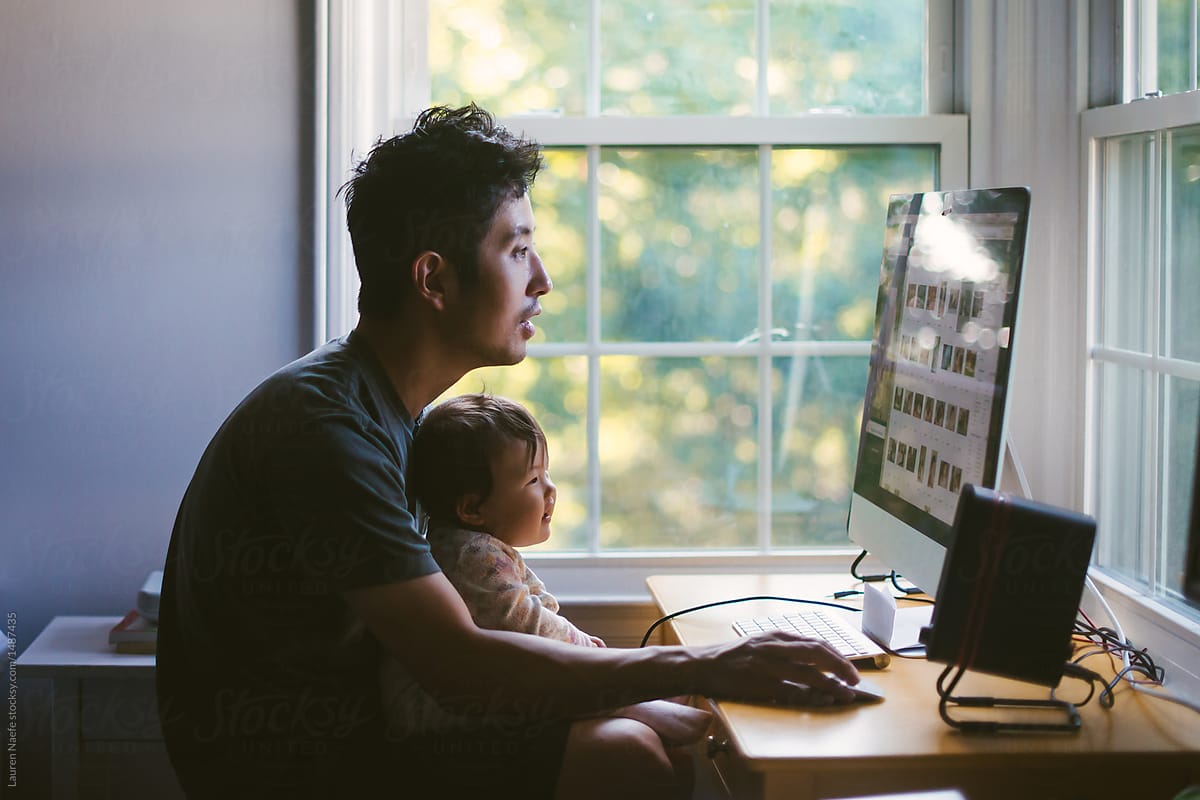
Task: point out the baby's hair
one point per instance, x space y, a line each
454 445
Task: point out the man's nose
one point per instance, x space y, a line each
541 283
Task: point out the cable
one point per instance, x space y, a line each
670 617
882 576
865 578
1133 660
1073 670
844 593
901 589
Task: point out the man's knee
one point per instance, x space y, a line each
616 755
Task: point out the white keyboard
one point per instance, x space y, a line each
817 623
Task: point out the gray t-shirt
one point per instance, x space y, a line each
299 497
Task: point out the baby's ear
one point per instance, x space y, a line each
468 509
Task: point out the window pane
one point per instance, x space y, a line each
668 57
560 200
1181 244
817 408
678 452
679 244
511 58
1126 227
1121 435
829 207
555 392
1183 411
1174 46
861 57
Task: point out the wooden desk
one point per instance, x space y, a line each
1142 748
104 731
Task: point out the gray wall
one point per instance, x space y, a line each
155 264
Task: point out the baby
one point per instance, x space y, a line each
479 468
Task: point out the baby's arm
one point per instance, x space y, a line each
504 595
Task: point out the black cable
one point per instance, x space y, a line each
670 617
901 589
1073 670
865 578
844 593
883 576
1110 643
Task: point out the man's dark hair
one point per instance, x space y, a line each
453 448
436 188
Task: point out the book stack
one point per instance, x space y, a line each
137 632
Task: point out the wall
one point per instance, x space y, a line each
155 264
1026 87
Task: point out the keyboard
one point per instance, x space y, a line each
818 623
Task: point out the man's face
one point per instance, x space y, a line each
495 312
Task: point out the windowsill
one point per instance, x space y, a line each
1171 638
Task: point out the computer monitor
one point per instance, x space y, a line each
941 357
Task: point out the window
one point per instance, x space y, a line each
711 213
1144 287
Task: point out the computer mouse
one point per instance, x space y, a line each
866 691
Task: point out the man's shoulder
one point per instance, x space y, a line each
336 380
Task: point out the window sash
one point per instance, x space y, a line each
1152 117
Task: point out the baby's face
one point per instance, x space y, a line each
519 508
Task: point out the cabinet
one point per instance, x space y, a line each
105 740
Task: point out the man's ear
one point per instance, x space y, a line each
468 509
432 278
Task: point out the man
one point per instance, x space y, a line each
297 525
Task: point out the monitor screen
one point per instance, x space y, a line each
934 411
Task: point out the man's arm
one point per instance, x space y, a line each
425 624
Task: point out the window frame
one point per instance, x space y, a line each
1169 629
